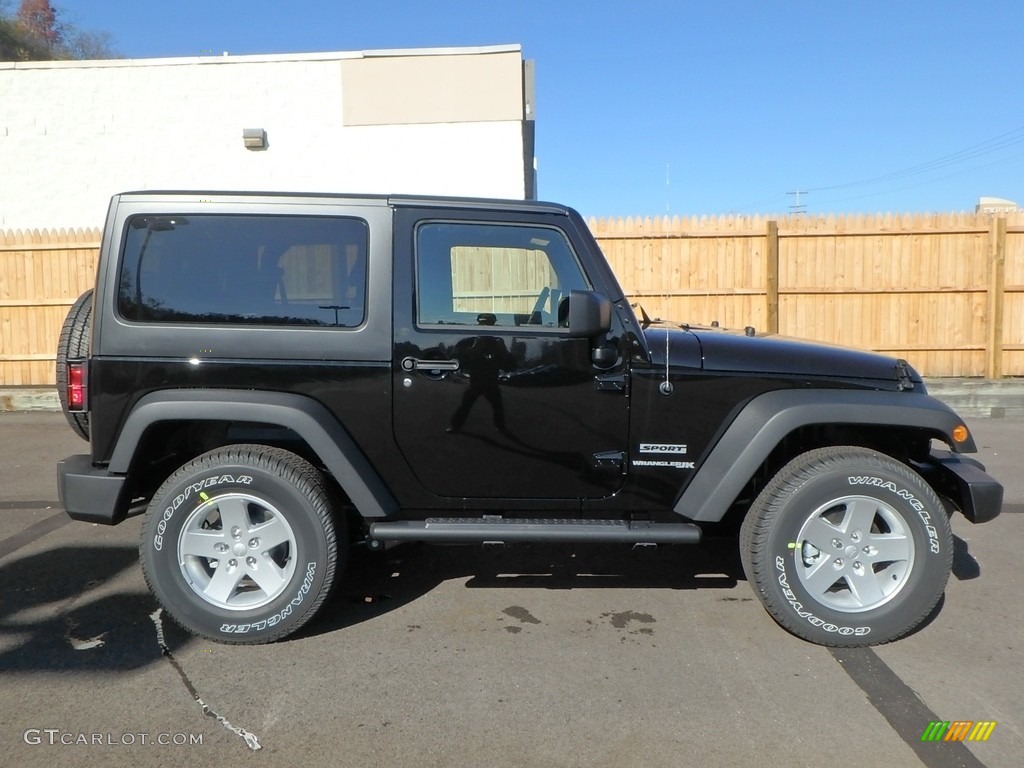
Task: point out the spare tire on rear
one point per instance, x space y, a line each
74 343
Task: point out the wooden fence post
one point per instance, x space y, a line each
996 297
771 277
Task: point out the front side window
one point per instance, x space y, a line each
261 270
503 275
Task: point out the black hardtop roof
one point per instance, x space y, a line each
404 200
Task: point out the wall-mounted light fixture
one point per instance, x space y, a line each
254 138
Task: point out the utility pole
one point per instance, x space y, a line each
797 206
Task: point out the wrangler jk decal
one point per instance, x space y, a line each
672 464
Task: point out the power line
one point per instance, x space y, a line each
925 182
995 144
998 143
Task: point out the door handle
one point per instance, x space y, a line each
429 366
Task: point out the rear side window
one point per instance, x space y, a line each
258 270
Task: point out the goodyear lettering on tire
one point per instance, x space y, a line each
193 489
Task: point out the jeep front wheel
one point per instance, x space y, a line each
847 547
239 545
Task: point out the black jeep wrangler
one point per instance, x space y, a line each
275 377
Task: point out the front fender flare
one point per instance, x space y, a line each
306 417
767 419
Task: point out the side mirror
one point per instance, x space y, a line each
590 314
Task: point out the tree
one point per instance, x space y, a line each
85 44
37 33
38 19
15 45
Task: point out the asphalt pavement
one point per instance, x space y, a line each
550 656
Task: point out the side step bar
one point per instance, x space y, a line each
497 530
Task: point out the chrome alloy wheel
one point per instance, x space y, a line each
854 553
236 551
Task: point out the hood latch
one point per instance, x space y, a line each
903 375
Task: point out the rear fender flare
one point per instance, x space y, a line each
306 417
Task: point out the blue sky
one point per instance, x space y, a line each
691 107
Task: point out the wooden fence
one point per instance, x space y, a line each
41 275
944 291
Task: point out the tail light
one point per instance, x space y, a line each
77 386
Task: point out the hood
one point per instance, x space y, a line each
714 349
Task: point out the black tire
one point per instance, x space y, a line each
847 547
74 343
240 546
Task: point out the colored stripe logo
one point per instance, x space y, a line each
958 730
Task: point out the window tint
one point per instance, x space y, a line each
494 274
270 270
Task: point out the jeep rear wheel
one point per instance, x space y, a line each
847 547
240 546
74 343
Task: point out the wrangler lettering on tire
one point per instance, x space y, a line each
847 547
240 545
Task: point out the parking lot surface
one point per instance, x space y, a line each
463 656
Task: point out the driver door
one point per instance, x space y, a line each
493 399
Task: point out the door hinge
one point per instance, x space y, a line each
609 461
612 382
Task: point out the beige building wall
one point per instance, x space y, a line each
388 89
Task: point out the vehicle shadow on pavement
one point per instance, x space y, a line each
54 618
375 584
965 567
57 616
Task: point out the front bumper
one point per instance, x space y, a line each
978 496
91 494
